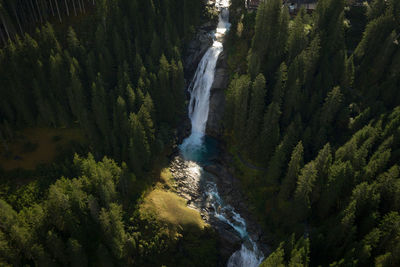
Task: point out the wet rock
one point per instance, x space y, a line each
208 26
214 125
220 81
213 169
195 50
229 239
222 61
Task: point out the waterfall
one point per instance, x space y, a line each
203 79
193 147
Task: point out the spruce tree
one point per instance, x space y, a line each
295 165
256 109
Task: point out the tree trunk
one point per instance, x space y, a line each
33 11
51 7
39 11
73 4
19 23
79 4
44 9
83 6
5 25
66 6
31 16
2 37
26 18
58 10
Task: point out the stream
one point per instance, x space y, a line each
197 149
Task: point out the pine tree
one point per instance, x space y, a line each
121 128
295 165
177 86
271 32
164 96
297 39
74 45
131 98
99 107
76 96
329 26
113 228
241 106
270 133
376 9
139 150
280 85
147 122
256 109
276 258
305 185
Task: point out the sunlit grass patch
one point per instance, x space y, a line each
166 177
172 209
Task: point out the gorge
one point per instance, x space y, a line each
198 149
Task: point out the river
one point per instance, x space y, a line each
198 148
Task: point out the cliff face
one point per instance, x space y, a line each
217 98
196 50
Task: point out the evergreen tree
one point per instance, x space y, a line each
139 150
270 133
271 32
305 185
256 109
295 165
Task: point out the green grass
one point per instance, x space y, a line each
167 178
168 207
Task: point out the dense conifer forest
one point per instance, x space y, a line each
322 120
113 69
311 121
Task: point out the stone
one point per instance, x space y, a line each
229 240
214 125
195 50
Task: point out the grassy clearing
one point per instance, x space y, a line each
35 146
167 178
167 207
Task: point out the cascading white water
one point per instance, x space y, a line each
200 93
249 255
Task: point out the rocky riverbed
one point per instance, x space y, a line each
190 185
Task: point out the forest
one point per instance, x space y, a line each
113 70
313 103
